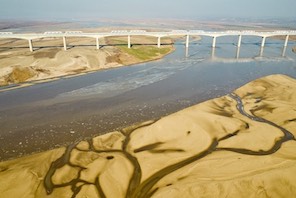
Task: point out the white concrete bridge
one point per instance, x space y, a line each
129 33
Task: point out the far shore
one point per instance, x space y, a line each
18 64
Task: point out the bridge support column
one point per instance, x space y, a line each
286 41
263 41
129 41
284 51
98 42
213 53
30 45
65 43
158 42
239 41
261 51
237 52
187 41
214 42
186 52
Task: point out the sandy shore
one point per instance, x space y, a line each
49 60
239 145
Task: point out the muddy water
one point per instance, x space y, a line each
58 113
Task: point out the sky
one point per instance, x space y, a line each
143 9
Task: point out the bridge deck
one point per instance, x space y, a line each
128 34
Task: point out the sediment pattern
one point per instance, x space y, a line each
204 150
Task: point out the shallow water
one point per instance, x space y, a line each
58 113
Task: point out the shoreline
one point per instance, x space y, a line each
247 138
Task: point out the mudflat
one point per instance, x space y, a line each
239 145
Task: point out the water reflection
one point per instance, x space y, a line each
238 58
237 52
284 51
261 51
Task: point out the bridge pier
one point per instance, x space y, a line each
286 41
97 43
30 45
239 40
65 43
213 53
129 41
158 42
214 42
263 41
237 52
186 52
284 51
187 41
261 51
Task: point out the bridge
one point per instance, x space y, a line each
129 33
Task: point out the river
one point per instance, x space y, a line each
58 113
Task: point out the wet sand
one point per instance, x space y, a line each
239 145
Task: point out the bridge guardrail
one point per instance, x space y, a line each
55 32
73 32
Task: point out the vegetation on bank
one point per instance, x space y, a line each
145 52
19 74
142 52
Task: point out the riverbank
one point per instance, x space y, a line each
216 148
18 65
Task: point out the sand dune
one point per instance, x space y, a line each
239 145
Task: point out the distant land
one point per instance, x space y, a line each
221 23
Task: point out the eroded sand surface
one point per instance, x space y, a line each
239 145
